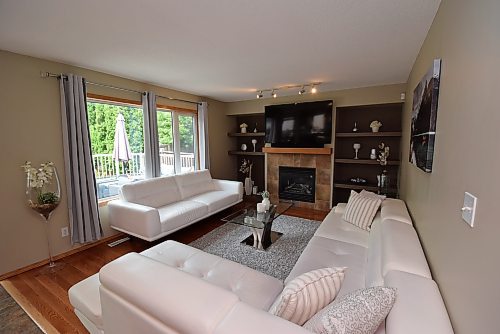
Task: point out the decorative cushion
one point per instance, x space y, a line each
361 210
308 293
359 312
372 195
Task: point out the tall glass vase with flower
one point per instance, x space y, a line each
43 194
246 169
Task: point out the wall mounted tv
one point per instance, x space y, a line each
307 124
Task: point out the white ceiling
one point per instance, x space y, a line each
225 49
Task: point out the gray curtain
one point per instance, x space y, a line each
80 179
203 126
151 143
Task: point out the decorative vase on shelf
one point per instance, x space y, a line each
248 186
43 194
375 125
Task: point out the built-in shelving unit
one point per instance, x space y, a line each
346 167
245 153
248 134
254 121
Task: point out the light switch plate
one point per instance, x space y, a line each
469 208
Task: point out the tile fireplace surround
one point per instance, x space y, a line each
321 162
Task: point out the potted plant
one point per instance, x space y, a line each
243 127
265 199
375 125
246 168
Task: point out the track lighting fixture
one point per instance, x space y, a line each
273 91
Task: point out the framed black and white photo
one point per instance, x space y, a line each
423 118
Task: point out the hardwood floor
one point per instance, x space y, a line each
44 294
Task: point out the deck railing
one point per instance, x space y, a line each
106 167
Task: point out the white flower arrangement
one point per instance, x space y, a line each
265 194
375 124
243 125
383 154
38 178
246 167
41 176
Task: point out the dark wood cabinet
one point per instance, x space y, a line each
346 167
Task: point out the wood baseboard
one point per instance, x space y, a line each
60 256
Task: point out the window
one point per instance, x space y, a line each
116 129
178 140
114 164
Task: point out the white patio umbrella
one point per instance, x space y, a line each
121 149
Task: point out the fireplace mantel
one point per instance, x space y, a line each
297 150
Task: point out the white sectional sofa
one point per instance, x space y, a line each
174 288
154 208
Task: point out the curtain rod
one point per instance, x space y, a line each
58 76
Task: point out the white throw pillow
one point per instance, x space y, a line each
367 193
361 311
308 293
361 210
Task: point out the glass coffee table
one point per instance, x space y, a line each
261 223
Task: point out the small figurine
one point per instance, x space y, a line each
355 129
255 129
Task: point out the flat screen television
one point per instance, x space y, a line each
307 124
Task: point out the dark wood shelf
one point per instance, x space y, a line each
361 187
366 162
248 134
245 153
367 134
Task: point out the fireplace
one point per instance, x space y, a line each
297 183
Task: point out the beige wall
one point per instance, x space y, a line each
30 129
464 260
347 97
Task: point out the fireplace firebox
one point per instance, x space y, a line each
297 183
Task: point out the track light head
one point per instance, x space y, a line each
260 95
273 93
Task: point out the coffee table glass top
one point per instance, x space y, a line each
249 216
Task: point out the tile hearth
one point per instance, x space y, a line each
323 165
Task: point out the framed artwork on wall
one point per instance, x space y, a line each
423 118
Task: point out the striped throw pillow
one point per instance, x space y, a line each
361 210
308 293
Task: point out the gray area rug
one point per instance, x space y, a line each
13 319
277 261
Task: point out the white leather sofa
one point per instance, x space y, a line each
174 288
153 208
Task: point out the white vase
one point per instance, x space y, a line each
248 186
375 128
243 130
267 203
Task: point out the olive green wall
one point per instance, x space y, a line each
464 261
30 129
347 97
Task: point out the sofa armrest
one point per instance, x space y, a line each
139 220
234 187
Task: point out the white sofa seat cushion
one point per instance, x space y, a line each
322 252
216 200
181 213
85 298
195 183
251 286
155 192
419 307
395 209
334 227
401 249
